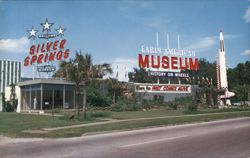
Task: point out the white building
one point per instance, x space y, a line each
10 73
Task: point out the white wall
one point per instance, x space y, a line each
7 93
18 95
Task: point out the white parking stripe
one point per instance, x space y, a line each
152 141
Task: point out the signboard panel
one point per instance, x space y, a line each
46 68
167 51
167 74
174 60
162 88
167 63
48 51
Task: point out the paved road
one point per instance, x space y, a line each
217 139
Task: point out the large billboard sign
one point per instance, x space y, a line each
52 48
162 88
47 52
175 60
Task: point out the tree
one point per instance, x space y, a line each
141 76
10 105
91 72
101 70
239 81
62 71
13 99
81 70
98 94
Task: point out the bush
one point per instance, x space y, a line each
158 99
96 99
183 100
10 106
126 106
147 104
172 105
117 108
180 102
99 114
132 107
193 106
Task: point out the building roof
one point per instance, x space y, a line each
45 81
10 60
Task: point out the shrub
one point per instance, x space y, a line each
99 114
147 104
96 99
117 108
132 107
126 105
180 102
193 106
183 100
158 99
10 106
172 105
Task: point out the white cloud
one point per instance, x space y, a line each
246 16
203 43
19 45
122 66
246 52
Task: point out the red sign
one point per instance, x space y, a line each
167 62
47 52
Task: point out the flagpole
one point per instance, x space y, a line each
33 67
168 41
178 42
157 46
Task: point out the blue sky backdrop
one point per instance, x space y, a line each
113 31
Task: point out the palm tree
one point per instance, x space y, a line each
75 70
117 89
101 70
80 71
87 72
62 72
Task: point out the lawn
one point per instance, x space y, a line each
145 114
164 112
135 124
12 124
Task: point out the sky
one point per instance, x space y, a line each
114 31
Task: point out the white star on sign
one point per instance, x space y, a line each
32 33
60 31
46 25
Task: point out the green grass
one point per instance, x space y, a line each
205 111
142 123
145 114
12 124
164 112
